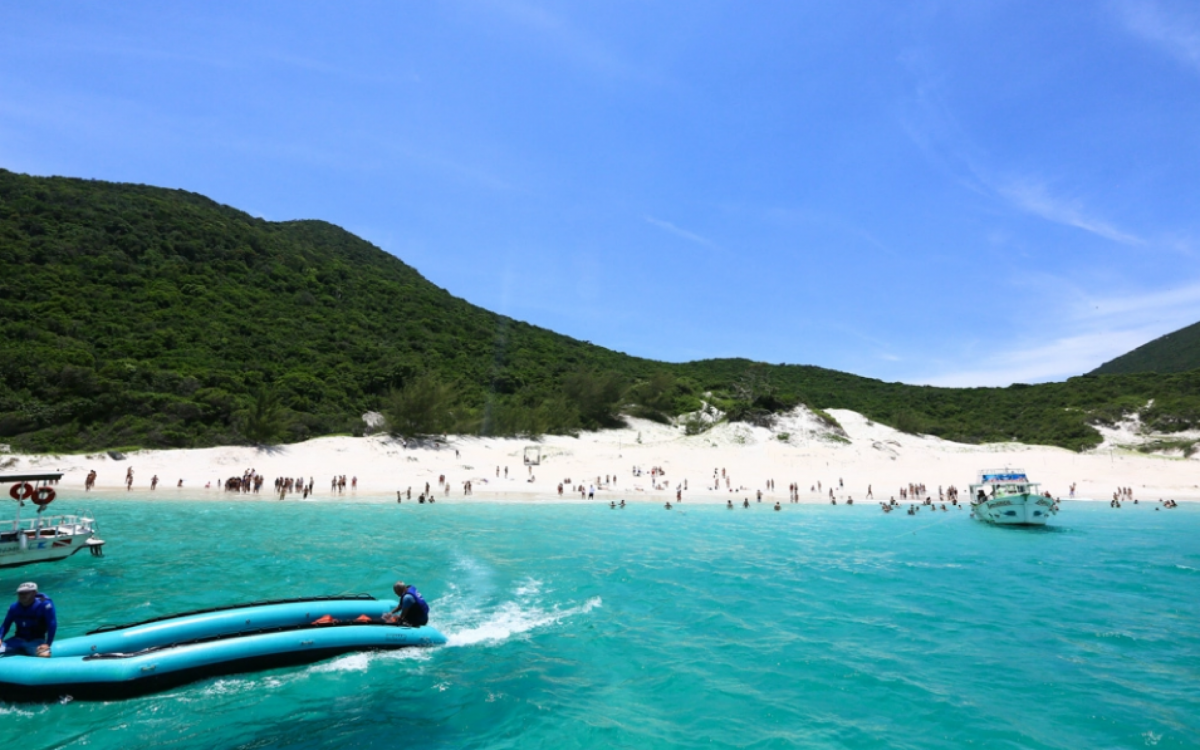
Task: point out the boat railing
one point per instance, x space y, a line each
75 524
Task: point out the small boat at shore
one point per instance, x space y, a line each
1006 497
43 538
123 661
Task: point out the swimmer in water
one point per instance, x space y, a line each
729 504
668 505
777 505
746 503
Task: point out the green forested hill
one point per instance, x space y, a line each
141 316
1175 352
138 315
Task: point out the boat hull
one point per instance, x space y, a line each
157 655
1015 510
41 550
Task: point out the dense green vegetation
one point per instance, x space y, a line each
132 315
1176 352
140 316
1047 414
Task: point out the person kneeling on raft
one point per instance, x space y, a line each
412 609
33 614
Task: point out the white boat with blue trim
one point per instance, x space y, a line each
43 538
1006 497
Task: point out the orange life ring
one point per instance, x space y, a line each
43 496
20 491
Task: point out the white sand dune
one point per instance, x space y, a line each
799 448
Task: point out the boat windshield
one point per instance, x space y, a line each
1011 489
1003 489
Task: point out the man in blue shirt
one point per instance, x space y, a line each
411 609
33 614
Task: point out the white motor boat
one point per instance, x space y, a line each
43 538
1008 498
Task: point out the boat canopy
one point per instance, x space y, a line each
7 478
1002 476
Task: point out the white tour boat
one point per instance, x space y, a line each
44 537
1007 497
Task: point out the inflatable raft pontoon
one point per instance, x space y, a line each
125 660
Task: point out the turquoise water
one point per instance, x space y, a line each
581 626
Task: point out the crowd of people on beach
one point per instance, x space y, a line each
917 496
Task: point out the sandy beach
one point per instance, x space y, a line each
798 449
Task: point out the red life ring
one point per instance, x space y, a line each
20 491
43 496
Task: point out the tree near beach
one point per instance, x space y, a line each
262 423
662 396
755 399
423 407
597 396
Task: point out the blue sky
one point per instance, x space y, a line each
952 193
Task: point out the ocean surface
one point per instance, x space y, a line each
580 626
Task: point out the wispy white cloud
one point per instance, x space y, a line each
1035 198
1095 328
574 44
1172 30
229 58
851 234
69 41
679 232
1039 362
1142 307
932 126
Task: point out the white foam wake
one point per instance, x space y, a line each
531 587
512 619
359 661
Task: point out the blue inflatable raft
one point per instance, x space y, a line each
125 660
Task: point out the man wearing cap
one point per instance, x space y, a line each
411 609
33 614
